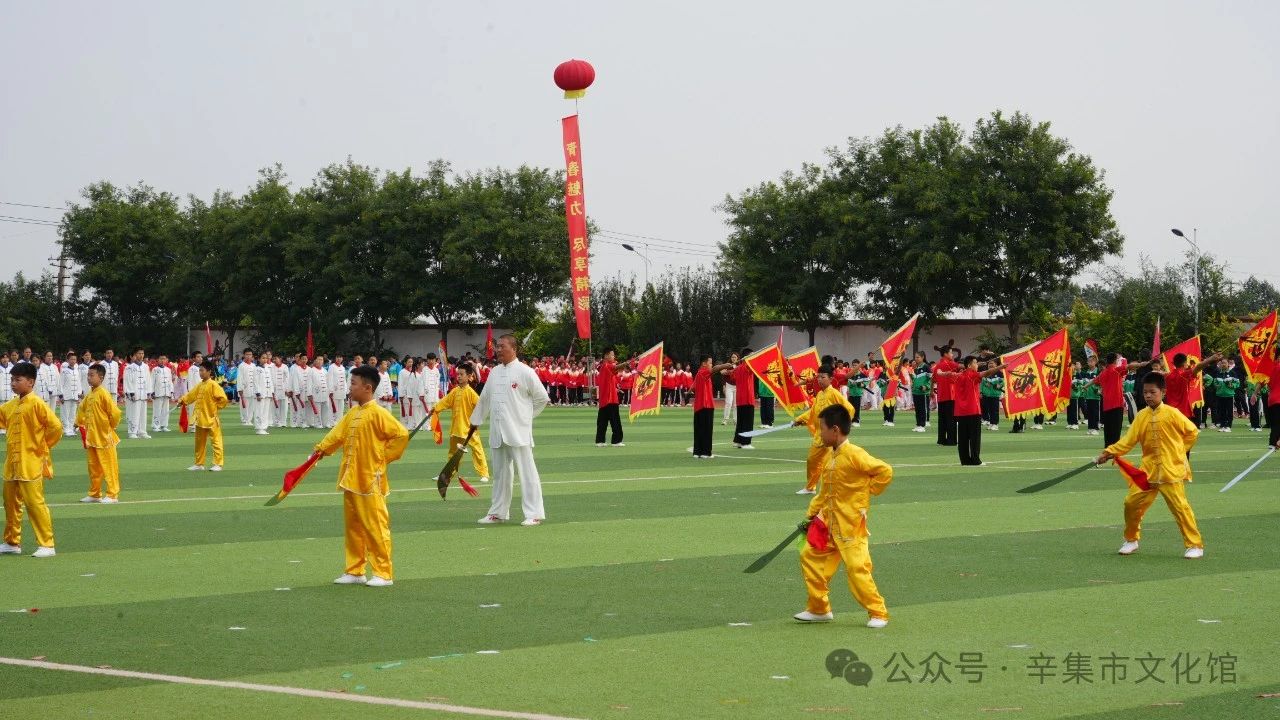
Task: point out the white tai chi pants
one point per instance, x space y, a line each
69 409
160 413
137 414
261 412
502 460
246 410
278 408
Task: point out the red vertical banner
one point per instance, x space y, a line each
575 214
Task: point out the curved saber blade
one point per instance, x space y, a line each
769 556
1054 481
1238 478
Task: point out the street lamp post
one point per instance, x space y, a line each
1192 241
643 257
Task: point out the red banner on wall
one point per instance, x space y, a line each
575 214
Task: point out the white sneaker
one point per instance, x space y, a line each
530 522
917 429
1193 553
43 552
376 581
857 424
805 491
1093 432
262 432
1128 548
195 468
484 479
877 622
216 468
349 579
618 444
926 424
1226 429
133 436
746 447
491 520
109 501
90 499
599 444
890 424
1041 427
7 549
809 617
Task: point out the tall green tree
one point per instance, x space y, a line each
901 196
124 244
786 251
1039 211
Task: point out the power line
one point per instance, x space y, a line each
28 221
654 239
31 205
703 251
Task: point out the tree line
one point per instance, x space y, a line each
355 251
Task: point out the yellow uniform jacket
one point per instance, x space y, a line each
99 415
208 398
462 401
850 476
823 400
33 429
370 438
1166 436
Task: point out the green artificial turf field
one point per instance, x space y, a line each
631 601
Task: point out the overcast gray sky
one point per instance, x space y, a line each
1178 101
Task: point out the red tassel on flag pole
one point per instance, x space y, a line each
311 342
294 476
1133 474
467 488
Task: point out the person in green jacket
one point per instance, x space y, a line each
1091 394
857 384
921 391
991 390
1224 389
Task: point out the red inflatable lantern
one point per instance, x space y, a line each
574 77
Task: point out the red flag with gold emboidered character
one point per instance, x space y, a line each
646 394
1053 362
1258 349
772 369
1022 389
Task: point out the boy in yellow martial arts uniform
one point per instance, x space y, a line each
462 400
370 438
827 396
98 417
208 398
1166 436
850 477
32 429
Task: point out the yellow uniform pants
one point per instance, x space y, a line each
368 533
204 435
813 465
819 567
478 460
30 493
104 465
1137 502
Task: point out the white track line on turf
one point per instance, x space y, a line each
280 690
431 489
630 479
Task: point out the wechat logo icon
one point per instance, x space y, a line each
844 663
